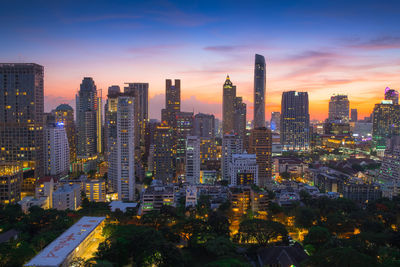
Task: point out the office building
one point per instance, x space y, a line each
184 128
10 183
259 91
21 116
56 150
275 125
339 108
157 195
231 144
110 120
204 125
65 114
390 168
354 115
228 106
386 122
87 117
99 124
260 144
193 160
295 121
164 154
239 120
172 102
243 169
95 190
391 94
67 197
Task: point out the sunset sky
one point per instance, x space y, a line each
323 47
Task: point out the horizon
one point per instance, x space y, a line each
320 48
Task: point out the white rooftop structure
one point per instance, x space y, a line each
57 252
122 206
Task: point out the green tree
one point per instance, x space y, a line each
317 236
261 232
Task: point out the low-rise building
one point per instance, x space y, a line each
67 197
243 169
27 202
95 190
157 195
10 183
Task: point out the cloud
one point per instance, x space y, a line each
382 42
224 48
103 17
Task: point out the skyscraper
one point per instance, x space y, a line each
239 120
125 150
204 125
21 115
386 122
87 118
65 114
184 128
354 115
260 144
295 121
56 150
172 102
228 106
164 154
275 121
231 144
193 159
259 91
339 108
391 94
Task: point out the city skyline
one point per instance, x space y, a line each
324 48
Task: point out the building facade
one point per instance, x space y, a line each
260 144
295 121
56 150
65 114
231 144
193 160
243 169
204 125
259 91
172 102
339 108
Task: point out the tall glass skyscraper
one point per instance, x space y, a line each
295 121
86 117
21 115
259 91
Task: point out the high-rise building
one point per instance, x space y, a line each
21 115
354 115
56 150
99 124
295 121
239 120
172 102
231 144
228 106
65 114
141 93
110 121
390 168
275 121
386 122
204 125
193 159
391 94
259 91
260 144
164 154
87 118
339 108
184 128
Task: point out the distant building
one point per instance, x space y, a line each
243 169
172 102
204 125
275 121
391 94
390 168
21 116
184 128
10 183
164 155
67 197
339 108
260 144
239 120
56 150
295 121
354 115
289 165
192 161
86 116
231 144
259 91
65 114
27 202
45 188
228 106
386 122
